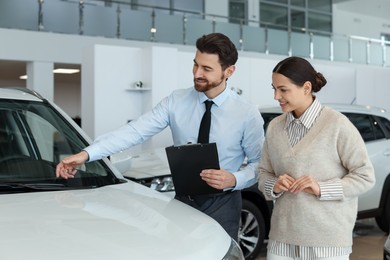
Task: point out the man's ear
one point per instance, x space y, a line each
229 71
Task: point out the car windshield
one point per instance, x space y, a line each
34 137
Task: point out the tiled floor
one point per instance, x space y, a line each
368 242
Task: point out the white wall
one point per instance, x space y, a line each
109 67
350 23
68 96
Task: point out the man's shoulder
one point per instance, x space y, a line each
183 92
241 101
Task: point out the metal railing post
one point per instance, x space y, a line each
118 21
81 17
368 53
241 35
350 49
40 15
184 29
331 49
153 29
384 54
289 53
311 44
266 43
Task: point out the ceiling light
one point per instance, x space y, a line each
66 71
58 71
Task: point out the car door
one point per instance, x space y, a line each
378 147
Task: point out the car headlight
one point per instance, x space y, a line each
234 252
162 183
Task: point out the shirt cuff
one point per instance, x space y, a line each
92 150
331 190
269 188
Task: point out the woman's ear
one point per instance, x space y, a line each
307 87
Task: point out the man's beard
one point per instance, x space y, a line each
208 85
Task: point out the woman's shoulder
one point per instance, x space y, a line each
278 121
336 118
334 115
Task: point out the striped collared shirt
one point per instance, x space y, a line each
296 129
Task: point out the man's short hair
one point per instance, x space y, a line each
220 44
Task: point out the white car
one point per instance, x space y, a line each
96 215
386 249
151 169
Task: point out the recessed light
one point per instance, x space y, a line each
66 71
58 71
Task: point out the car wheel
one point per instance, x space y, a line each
252 230
384 218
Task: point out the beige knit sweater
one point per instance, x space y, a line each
332 149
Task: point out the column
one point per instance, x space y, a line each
40 78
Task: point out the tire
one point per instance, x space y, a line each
384 219
252 230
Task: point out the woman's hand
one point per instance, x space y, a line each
307 184
283 183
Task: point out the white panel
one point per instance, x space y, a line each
340 86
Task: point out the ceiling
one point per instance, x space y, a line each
10 71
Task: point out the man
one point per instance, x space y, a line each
236 128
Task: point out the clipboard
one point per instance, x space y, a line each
186 162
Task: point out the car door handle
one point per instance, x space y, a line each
386 153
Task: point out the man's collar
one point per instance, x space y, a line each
218 100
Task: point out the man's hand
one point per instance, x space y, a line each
66 168
218 179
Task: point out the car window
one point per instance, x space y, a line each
368 127
385 123
268 118
34 138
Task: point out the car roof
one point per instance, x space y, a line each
19 93
345 108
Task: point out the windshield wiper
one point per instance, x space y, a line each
20 187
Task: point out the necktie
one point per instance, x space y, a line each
204 129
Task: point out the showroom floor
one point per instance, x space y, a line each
367 243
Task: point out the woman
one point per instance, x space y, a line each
314 166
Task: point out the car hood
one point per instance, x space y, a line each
149 164
123 221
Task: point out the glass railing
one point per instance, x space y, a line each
147 23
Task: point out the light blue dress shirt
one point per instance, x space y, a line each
236 128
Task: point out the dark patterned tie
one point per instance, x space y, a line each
204 129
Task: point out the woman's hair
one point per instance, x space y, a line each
299 70
220 44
